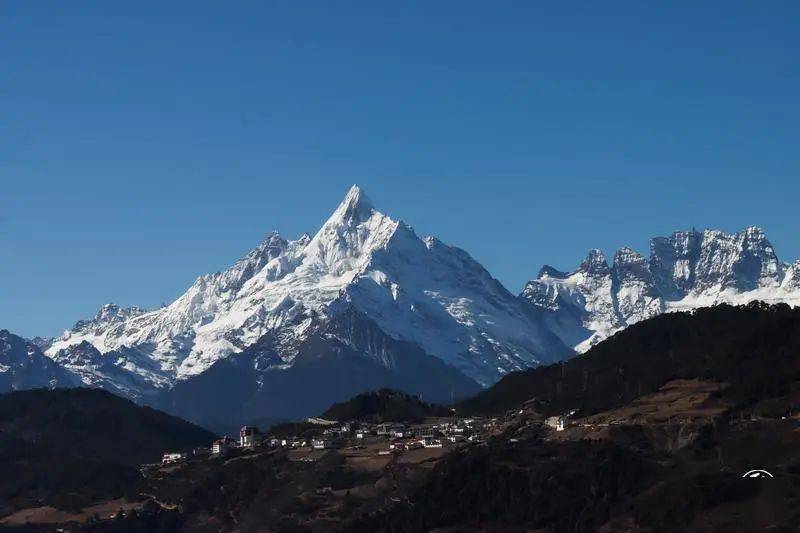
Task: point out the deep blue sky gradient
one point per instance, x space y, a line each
145 143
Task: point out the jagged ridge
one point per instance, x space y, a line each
416 290
686 270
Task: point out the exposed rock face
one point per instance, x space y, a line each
672 262
112 371
686 270
24 366
634 288
285 304
417 291
339 356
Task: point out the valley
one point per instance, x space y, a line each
608 442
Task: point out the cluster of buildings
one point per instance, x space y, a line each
249 437
429 435
529 411
328 434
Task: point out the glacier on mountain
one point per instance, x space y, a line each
416 290
287 297
686 270
24 366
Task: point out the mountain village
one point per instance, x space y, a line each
317 435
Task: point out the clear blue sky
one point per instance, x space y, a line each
145 143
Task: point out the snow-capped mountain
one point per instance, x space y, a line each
110 371
366 303
686 270
337 357
24 366
415 290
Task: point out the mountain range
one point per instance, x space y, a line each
685 271
365 303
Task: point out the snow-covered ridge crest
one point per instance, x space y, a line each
686 270
414 289
225 311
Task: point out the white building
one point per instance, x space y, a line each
557 422
248 437
168 458
221 446
429 442
428 432
390 429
